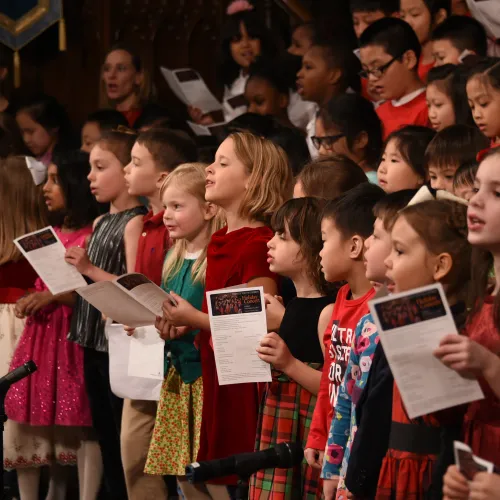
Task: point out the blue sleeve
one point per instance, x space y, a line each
341 421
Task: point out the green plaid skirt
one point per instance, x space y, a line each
285 415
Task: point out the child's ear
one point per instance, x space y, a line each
442 266
210 211
335 74
284 101
439 17
139 78
357 247
410 59
361 141
161 178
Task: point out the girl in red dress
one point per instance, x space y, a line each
482 420
429 245
249 179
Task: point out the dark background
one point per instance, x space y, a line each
173 33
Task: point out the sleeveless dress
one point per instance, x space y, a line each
176 435
55 394
286 409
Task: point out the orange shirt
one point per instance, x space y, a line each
407 111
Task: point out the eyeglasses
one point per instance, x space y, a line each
378 72
326 141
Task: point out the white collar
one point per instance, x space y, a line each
407 98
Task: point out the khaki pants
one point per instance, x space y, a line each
138 420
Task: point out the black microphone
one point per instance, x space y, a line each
283 455
15 375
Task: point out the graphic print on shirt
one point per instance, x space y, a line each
339 352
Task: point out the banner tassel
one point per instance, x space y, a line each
62 34
17 70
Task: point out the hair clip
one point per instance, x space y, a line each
37 169
238 6
124 130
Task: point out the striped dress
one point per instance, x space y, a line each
287 408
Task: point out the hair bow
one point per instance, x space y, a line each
37 170
238 6
424 194
125 130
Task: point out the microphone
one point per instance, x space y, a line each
283 455
16 375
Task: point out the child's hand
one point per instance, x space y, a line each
32 303
485 486
77 256
330 487
314 457
130 330
463 355
455 486
275 310
167 331
181 314
274 351
198 117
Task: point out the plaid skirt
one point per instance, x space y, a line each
285 415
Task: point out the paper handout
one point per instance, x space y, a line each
189 87
238 323
131 299
468 464
135 363
45 252
411 325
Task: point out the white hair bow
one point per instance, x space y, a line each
37 169
423 194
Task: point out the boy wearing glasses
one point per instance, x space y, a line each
389 52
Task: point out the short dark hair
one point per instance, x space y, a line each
412 141
265 69
107 119
464 33
330 176
434 6
169 148
81 208
452 80
465 174
455 145
352 212
395 36
352 114
388 7
338 56
391 204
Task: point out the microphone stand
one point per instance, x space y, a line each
242 488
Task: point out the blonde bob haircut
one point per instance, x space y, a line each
270 183
190 178
23 207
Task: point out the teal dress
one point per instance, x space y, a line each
176 435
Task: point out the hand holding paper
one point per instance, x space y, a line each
273 350
78 257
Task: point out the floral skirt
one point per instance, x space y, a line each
176 435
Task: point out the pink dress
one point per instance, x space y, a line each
55 394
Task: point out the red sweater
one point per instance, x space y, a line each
337 339
413 112
229 418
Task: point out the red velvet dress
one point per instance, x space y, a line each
229 419
482 420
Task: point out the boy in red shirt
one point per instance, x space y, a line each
347 223
389 52
156 153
